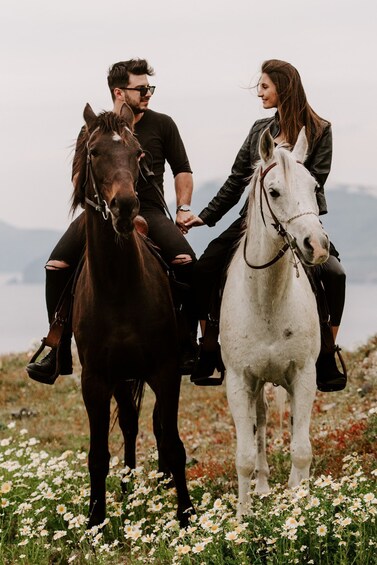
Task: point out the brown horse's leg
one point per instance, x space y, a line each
157 430
97 401
128 417
171 449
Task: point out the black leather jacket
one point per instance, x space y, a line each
318 162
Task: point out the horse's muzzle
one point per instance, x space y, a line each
123 213
315 250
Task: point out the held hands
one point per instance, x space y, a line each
187 220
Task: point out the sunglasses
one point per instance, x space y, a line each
142 89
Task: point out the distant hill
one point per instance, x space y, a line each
351 224
21 247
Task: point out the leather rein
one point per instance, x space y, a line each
290 241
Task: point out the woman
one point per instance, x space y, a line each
279 87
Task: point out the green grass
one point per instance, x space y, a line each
44 482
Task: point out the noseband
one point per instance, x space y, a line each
290 241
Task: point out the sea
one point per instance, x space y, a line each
23 317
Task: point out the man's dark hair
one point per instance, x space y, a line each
118 75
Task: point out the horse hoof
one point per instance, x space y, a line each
184 517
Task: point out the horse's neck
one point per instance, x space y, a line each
270 284
111 261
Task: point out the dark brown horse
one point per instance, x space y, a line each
123 318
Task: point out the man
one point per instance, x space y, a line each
160 140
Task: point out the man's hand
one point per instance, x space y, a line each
182 218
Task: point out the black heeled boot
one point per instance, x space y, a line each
57 362
209 358
59 359
329 378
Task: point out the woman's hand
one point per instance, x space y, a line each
193 221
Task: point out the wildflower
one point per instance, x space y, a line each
61 509
4 503
114 461
231 536
59 534
322 530
214 528
33 441
11 425
155 474
183 549
218 505
5 442
345 522
369 497
6 487
199 547
132 532
291 523
313 502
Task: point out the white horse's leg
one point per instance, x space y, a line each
302 399
242 404
262 470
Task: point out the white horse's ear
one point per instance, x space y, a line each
300 149
128 115
89 116
266 146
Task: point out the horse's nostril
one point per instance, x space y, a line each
114 204
307 243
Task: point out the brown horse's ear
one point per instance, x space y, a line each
89 116
266 146
128 115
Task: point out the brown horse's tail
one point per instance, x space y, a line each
137 391
138 387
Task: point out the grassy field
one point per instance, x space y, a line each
44 481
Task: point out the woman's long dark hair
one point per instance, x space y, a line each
294 109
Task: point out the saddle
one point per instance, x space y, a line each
63 314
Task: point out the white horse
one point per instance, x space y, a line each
269 326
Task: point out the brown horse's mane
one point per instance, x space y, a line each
106 122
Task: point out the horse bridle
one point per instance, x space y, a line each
290 241
101 204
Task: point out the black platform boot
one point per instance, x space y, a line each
59 359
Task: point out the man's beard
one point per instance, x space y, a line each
135 108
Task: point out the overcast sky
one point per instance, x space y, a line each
55 56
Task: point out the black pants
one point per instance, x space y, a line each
162 231
211 267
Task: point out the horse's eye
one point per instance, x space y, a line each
94 152
273 193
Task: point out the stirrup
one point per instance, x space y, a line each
208 379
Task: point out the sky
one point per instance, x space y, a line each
54 58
